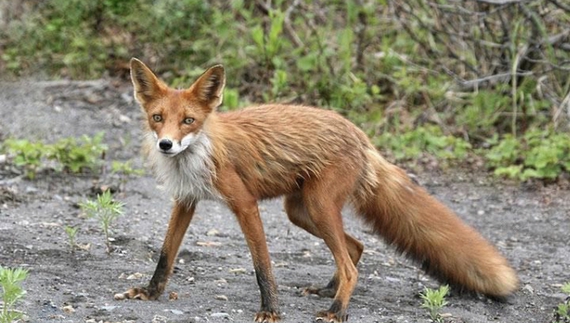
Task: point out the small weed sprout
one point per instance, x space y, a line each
434 301
71 234
12 292
105 210
125 170
562 312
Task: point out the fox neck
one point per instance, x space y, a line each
188 176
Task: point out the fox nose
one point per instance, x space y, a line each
165 144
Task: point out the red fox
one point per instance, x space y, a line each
318 161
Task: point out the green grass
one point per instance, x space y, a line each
12 292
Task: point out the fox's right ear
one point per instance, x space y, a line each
147 86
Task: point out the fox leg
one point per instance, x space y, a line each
179 221
244 206
324 197
298 214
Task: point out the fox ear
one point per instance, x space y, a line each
147 86
209 87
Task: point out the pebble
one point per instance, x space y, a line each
221 297
212 233
135 276
177 312
108 308
220 315
68 309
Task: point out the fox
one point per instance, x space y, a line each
318 161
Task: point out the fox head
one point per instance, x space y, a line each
176 117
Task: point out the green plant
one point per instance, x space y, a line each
562 311
77 155
26 154
124 170
543 154
106 211
68 154
411 144
12 292
71 233
434 301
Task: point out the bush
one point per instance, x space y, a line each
481 70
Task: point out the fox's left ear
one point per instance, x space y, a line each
209 87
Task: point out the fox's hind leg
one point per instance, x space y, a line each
324 197
298 215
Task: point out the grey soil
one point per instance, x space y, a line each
214 277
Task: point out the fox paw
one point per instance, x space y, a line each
267 316
326 316
322 292
141 293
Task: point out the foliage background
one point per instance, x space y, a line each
481 83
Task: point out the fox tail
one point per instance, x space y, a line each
425 230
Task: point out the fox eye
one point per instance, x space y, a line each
157 117
188 120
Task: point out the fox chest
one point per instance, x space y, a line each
188 177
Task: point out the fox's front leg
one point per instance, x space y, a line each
252 227
179 221
244 206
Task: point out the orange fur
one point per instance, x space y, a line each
319 161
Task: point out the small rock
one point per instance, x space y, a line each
31 189
159 319
220 281
119 296
177 312
68 309
124 119
172 296
135 276
209 243
220 315
528 288
221 297
108 308
212 233
238 270
393 279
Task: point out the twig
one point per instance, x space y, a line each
500 2
289 29
492 79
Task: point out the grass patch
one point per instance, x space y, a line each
12 292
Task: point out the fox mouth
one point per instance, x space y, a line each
167 153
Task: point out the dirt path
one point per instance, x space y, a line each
214 278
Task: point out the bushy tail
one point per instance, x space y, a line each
424 229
